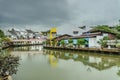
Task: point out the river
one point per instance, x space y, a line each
37 63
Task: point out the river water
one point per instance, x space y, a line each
37 63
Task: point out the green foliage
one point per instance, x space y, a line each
62 42
117 28
47 42
8 64
103 42
118 35
70 40
2 34
118 45
5 39
106 38
54 42
106 28
81 42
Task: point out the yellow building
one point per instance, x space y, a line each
50 34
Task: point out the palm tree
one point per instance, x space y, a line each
103 42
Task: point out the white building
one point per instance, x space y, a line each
95 36
26 34
92 38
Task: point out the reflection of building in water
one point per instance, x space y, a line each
27 52
30 53
29 48
99 62
39 48
53 60
94 59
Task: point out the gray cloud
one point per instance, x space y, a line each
33 11
38 14
92 12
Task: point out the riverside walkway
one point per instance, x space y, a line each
104 50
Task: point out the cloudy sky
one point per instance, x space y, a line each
67 15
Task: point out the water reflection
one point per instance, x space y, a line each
42 64
97 61
28 48
8 65
53 60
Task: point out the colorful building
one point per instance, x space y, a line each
87 39
50 34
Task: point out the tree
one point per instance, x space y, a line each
103 42
118 28
8 65
70 41
81 42
105 28
5 39
47 42
54 43
62 43
2 34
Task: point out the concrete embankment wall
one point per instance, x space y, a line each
104 50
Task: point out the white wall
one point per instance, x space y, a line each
105 34
98 39
92 42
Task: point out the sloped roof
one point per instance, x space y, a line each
95 33
13 32
77 37
29 31
85 36
62 37
101 30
